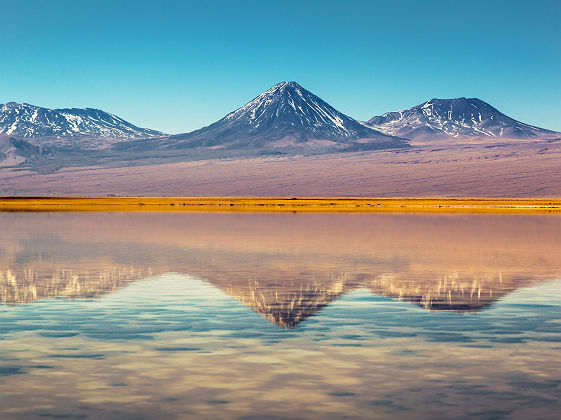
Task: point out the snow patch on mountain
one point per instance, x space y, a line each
459 117
289 108
33 122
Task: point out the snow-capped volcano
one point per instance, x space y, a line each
459 117
34 122
288 105
285 118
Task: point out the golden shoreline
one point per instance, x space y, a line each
278 204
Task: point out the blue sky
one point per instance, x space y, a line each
179 65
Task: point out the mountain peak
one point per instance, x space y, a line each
286 118
460 98
35 122
455 101
283 88
289 106
286 84
456 117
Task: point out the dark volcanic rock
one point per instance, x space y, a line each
16 151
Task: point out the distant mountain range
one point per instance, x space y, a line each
284 120
67 125
459 117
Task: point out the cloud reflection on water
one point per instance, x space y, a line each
151 315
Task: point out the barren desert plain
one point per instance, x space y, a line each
502 169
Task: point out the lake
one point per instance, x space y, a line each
280 316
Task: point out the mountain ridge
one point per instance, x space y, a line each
456 117
62 126
284 120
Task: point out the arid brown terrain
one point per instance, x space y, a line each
478 169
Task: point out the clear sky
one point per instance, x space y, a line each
176 66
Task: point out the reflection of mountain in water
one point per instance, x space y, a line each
284 280
452 292
284 297
28 284
287 306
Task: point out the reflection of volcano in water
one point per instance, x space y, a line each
20 285
281 270
285 297
287 306
452 292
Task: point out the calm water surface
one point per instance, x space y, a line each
247 316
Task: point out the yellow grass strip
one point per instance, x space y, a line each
278 204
